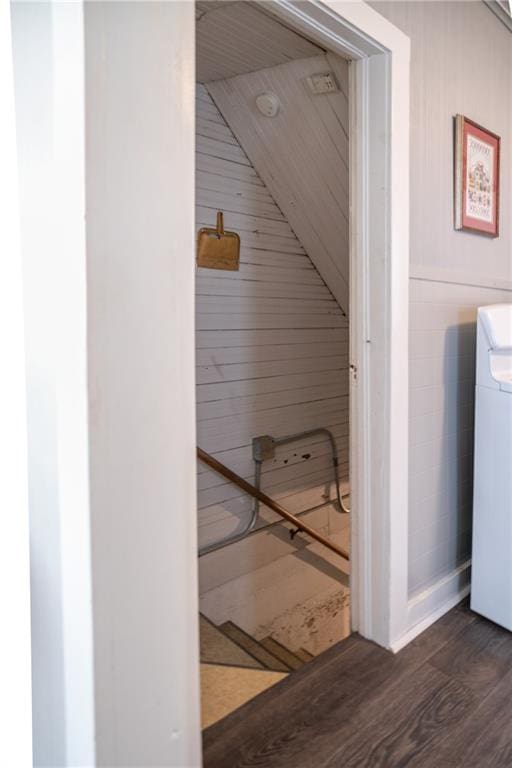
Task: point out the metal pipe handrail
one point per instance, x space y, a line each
268 502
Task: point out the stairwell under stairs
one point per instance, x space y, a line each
235 667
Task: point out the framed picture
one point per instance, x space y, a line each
477 178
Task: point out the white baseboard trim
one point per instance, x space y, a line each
428 606
439 275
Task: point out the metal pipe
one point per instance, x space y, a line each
258 462
268 502
294 438
227 541
235 536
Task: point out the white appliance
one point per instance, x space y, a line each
491 579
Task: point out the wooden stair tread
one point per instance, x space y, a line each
253 647
304 655
217 648
281 652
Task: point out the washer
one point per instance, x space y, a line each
491 580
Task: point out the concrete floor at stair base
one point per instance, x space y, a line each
314 625
224 689
302 599
270 545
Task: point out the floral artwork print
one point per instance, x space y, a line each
480 163
476 178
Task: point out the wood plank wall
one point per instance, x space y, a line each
443 313
441 422
272 343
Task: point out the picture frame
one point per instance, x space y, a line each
477 178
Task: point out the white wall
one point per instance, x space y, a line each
15 662
272 346
50 131
442 380
32 30
448 78
140 234
454 269
114 683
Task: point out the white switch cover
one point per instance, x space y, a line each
322 83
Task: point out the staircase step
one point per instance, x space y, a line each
281 652
306 656
218 648
251 646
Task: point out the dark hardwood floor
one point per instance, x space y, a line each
444 701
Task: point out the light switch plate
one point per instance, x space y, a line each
324 82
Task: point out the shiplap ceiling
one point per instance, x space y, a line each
233 38
301 155
503 10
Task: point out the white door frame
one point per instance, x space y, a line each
379 287
15 660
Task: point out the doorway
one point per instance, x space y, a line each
272 349
279 344
143 218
